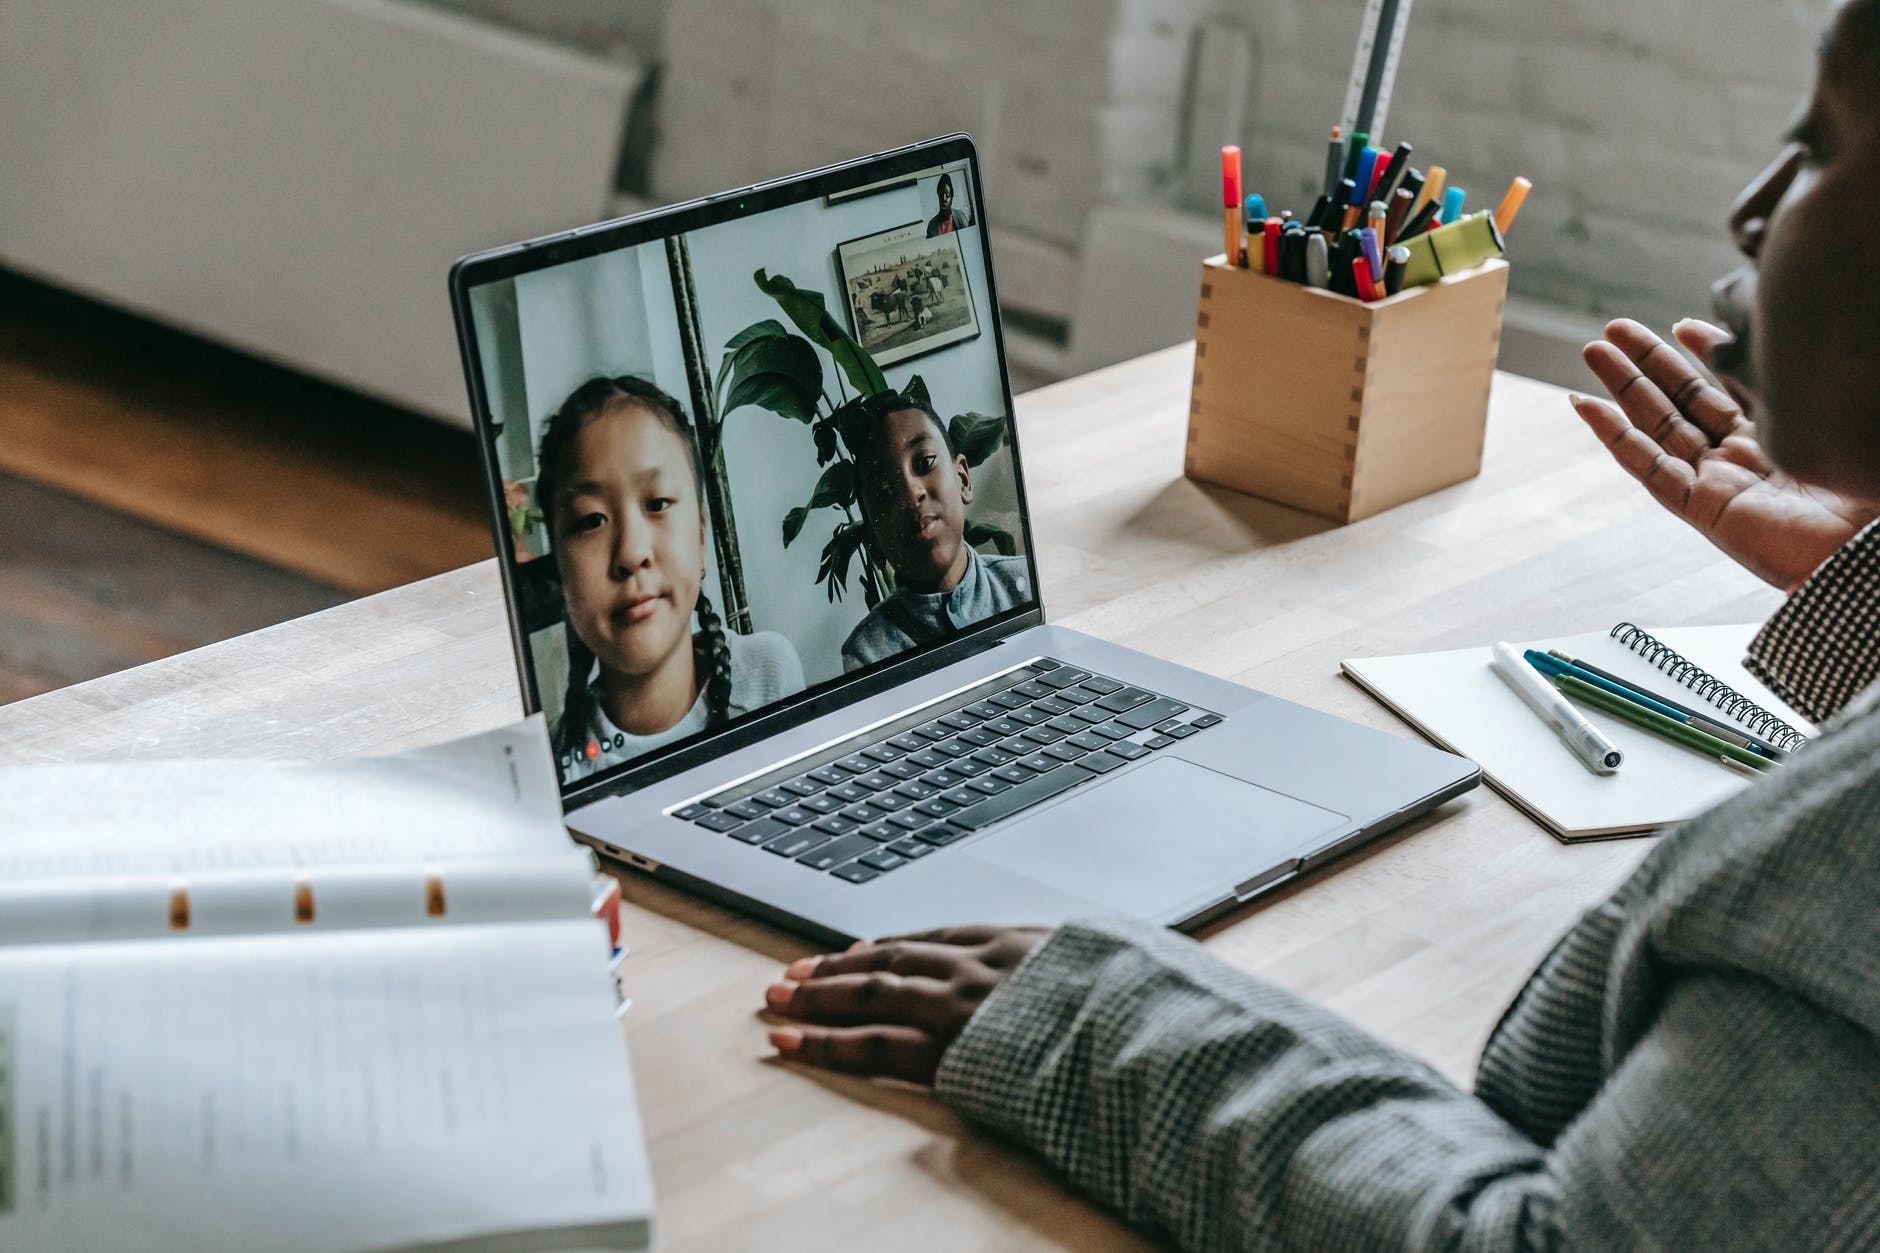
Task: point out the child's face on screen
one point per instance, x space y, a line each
915 496
630 540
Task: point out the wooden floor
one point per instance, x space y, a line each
158 492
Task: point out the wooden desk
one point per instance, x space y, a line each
1422 939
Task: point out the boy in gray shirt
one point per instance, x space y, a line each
914 489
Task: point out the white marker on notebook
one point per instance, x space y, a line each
1592 748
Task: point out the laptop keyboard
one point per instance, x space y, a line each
906 790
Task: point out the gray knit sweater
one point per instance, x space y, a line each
1695 1066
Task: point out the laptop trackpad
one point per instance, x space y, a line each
1159 837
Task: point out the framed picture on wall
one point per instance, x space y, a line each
906 293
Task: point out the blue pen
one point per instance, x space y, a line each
1550 665
1367 169
1452 204
1256 209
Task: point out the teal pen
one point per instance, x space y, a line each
1696 716
1550 665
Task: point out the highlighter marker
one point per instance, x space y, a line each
1318 261
1511 204
1253 247
1398 215
1394 269
1271 242
1230 199
1432 189
1581 737
1335 160
1461 245
1367 171
1452 204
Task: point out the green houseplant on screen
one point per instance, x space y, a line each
774 368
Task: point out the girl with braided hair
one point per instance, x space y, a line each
618 480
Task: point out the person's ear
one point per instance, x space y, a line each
966 479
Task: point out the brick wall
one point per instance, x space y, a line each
1638 120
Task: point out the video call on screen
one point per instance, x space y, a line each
716 497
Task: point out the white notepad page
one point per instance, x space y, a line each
1458 701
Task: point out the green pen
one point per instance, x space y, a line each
1655 722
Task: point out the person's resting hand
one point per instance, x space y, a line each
1695 450
890 1007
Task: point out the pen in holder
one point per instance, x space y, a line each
1338 406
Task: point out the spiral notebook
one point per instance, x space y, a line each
1457 701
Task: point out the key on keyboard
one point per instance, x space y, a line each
937 775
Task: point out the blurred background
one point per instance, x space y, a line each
229 386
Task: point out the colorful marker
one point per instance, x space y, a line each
1318 261
1378 215
1367 174
1452 204
1511 204
1230 199
1395 171
1359 140
1361 274
1432 188
1373 253
1461 245
1335 161
1398 214
1273 227
1394 266
1253 209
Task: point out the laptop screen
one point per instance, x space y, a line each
748 453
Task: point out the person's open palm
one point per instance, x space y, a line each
1696 452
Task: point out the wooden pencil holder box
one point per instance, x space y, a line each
1335 406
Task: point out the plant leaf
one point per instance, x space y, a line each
793 524
836 487
852 423
976 436
781 374
838 555
978 533
769 328
812 317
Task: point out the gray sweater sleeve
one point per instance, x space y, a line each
1227 1114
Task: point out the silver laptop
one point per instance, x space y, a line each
760 511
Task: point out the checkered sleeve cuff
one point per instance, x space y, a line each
1212 1107
1822 648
